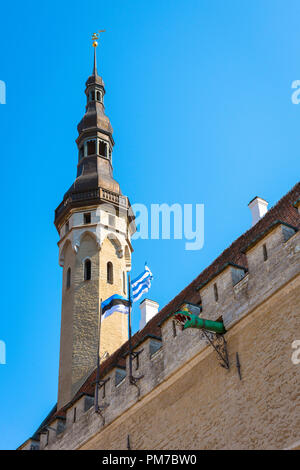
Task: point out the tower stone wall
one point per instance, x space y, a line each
95 224
81 300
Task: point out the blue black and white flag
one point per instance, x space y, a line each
115 303
141 284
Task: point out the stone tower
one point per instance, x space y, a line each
95 223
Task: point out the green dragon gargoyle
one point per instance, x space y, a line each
189 320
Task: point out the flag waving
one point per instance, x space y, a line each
141 284
115 303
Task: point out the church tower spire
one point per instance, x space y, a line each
95 223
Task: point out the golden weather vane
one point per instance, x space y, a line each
95 37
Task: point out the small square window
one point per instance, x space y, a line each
87 218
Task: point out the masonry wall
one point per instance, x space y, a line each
81 307
206 407
114 329
187 401
66 337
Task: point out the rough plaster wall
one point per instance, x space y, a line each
80 307
187 399
114 329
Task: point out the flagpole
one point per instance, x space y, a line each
98 362
129 330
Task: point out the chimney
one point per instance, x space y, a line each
148 308
258 207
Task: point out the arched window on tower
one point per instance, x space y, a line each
87 270
68 284
91 147
99 96
110 273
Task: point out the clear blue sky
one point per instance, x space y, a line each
199 96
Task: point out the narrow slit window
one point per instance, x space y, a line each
110 273
87 270
67 226
124 282
69 278
81 153
265 252
74 415
174 328
216 292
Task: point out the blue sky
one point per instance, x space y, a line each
199 96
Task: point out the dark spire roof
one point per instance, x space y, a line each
95 116
95 79
94 171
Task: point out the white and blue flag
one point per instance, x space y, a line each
115 303
141 284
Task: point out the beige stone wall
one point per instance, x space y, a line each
203 406
80 312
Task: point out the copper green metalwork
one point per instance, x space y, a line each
188 320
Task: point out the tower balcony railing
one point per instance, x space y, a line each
99 194
113 197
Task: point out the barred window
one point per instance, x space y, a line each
216 292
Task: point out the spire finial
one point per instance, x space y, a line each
95 37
